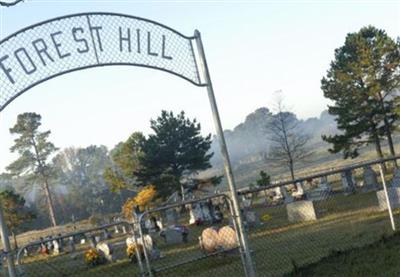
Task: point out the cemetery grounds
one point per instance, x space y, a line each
278 246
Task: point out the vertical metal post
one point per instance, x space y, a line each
249 267
387 198
6 244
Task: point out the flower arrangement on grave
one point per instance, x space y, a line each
131 251
266 217
143 199
93 257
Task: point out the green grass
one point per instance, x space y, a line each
378 259
344 222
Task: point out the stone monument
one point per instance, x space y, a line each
348 182
300 211
370 179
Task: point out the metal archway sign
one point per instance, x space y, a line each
65 44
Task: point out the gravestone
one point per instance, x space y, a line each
56 247
251 218
97 239
106 249
394 198
396 178
370 179
288 198
299 190
300 211
324 184
151 225
348 182
124 229
160 223
277 194
172 236
171 217
106 234
322 192
195 214
92 241
71 244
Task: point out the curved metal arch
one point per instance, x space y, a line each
95 13
94 66
199 84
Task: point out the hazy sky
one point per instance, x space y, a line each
253 49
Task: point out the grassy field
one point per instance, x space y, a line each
278 246
378 259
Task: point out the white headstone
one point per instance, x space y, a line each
299 190
301 211
286 195
106 249
56 247
394 198
124 229
195 214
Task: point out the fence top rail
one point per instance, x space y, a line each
319 175
44 240
186 202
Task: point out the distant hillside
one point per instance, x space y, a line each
249 140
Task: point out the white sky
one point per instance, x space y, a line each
253 49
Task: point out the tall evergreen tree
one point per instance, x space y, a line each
34 151
362 82
176 151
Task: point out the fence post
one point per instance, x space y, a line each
387 198
6 244
248 266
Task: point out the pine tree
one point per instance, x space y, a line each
362 82
34 151
175 151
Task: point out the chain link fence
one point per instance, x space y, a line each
295 225
289 226
91 252
193 236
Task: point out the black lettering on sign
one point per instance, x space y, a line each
22 55
138 40
5 69
57 45
75 30
149 46
41 49
164 56
97 30
127 39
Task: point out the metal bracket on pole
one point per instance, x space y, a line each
6 244
387 198
246 257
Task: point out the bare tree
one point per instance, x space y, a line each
288 142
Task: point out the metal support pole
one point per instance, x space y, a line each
6 244
387 198
249 267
